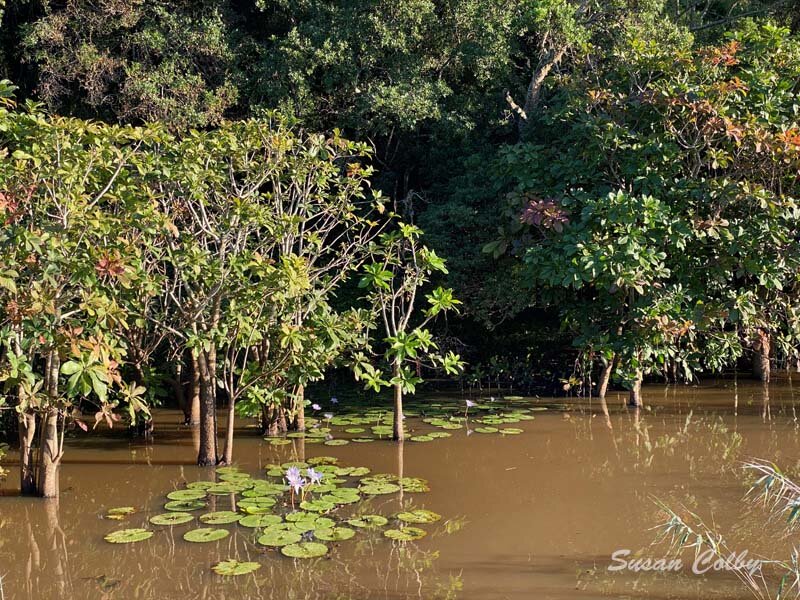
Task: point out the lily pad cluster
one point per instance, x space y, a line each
364 425
301 510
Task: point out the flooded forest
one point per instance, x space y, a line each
433 299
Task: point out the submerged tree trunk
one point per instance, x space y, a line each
228 457
398 430
761 351
27 473
299 409
49 456
605 378
635 398
208 454
274 420
193 402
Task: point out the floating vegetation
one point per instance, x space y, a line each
419 516
231 568
407 534
305 550
368 521
278 537
120 513
184 505
334 534
172 518
379 488
222 517
189 494
128 536
205 534
264 520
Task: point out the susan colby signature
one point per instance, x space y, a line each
703 562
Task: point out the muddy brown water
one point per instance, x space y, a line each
533 516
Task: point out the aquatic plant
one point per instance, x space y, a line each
128 536
232 568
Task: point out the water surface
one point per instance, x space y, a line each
535 515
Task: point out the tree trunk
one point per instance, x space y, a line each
635 398
208 455
299 409
27 474
398 430
49 457
546 64
605 378
228 457
193 404
761 351
274 421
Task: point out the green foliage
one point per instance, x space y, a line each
167 61
402 267
661 224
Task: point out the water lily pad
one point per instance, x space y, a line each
226 488
128 536
334 534
299 516
415 485
421 438
228 469
354 430
368 521
359 472
323 460
184 505
259 520
172 518
263 502
511 431
379 488
194 494
303 526
419 516
450 426
324 523
278 537
200 485
205 534
337 442
222 517
279 442
317 505
234 476
305 550
407 534
439 434
297 463
362 440
486 430
121 511
232 568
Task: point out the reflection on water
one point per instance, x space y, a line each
536 515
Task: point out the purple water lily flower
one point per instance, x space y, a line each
471 404
316 407
334 400
314 476
294 479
